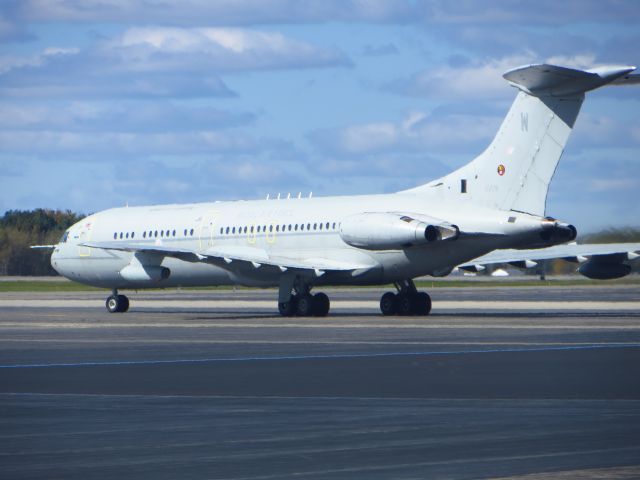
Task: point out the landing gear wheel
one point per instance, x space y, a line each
305 305
389 303
288 309
124 303
321 304
405 304
422 303
117 304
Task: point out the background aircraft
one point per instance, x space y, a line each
490 210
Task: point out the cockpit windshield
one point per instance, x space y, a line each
63 239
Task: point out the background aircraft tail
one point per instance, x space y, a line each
514 172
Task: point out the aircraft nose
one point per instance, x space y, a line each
55 260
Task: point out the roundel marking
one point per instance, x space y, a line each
501 170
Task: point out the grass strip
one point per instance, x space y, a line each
68 286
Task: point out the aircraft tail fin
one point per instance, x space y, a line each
515 171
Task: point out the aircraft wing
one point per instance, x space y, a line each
232 256
600 260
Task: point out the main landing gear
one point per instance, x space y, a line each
117 303
305 305
408 300
294 298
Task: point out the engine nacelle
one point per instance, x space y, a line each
605 267
389 231
136 272
558 233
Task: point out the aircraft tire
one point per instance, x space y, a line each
405 304
304 307
117 303
321 304
389 304
288 309
123 300
422 303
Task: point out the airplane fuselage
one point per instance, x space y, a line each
306 226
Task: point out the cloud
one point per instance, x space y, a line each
148 49
541 12
479 80
157 62
417 132
220 12
100 145
117 116
617 184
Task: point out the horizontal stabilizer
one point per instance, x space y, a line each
551 80
567 252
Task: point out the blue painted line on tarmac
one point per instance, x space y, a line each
324 357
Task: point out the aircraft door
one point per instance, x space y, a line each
84 235
207 231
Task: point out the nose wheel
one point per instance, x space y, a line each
408 301
117 303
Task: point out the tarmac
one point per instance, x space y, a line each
499 382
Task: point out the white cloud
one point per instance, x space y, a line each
614 185
117 116
218 12
220 49
480 80
417 131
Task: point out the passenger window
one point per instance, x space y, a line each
315 226
289 227
155 234
277 228
296 227
251 228
334 225
271 228
191 232
227 230
173 233
64 238
308 226
327 226
120 235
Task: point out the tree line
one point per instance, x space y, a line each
19 229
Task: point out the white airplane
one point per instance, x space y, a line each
490 210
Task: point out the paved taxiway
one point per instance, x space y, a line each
497 382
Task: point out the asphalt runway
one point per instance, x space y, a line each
498 382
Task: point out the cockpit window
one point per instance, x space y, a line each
64 237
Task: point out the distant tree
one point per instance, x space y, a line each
613 235
19 229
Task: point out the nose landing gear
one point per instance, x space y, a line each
117 303
408 300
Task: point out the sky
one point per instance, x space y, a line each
105 103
